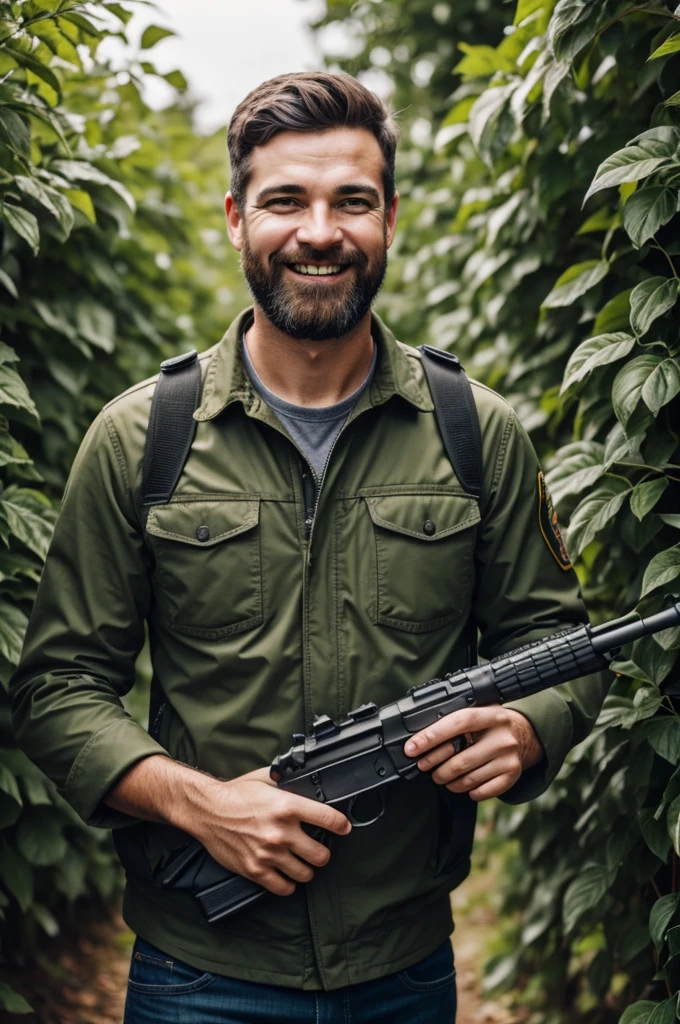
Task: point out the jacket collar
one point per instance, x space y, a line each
226 381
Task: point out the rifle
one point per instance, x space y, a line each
348 764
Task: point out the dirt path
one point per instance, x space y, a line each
82 981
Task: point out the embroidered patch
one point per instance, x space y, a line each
547 520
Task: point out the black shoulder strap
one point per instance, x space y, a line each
456 412
171 427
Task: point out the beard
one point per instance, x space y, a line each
304 309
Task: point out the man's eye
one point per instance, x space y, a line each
356 203
285 201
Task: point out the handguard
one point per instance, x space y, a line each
347 764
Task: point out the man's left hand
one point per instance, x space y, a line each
504 745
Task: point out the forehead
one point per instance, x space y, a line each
318 159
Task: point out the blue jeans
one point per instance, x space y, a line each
162 990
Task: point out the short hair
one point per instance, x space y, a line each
307 101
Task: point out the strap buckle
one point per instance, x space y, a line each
441 355
178 362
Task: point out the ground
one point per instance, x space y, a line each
83 981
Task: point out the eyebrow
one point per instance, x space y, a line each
298 190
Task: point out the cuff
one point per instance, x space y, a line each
551 719
106 756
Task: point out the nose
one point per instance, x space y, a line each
319 227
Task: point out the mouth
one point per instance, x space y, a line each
323 272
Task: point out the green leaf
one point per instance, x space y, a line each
655 834
575 282
660 917
96 324
15 131
664 737
638 1013
662 385
9 284
646 211
594 512
578 466
39 838
13 624
598 351
82 201
584 894
628 385
664 1012
673 823
177 80
671 45
153 34
485 119
54 201
11 1001
671 520
28 517
674 100
24 223
650 300
664 567
16 876
8 785
79 170
31 63
645 496
630 164
14 392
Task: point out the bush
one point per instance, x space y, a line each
113 257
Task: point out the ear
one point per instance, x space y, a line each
391 220
234 221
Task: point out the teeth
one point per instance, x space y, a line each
309 268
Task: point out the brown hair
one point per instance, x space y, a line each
307 101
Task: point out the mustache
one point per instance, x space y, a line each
308 254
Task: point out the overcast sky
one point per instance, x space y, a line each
227 47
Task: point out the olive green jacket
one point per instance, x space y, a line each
259 626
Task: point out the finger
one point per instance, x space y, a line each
483 750
496 787
294 868
274 882
455 724
445 776
309 850
322 815
259 775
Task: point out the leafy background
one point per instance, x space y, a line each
113 257
540 170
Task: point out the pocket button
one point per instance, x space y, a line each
429 528
203 533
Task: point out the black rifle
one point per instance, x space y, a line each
347 764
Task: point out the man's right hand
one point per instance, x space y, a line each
246 824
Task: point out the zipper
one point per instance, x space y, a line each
312 490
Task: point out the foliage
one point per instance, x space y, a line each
113 257
538 239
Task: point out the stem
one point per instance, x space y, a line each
655 887
635 10
670 261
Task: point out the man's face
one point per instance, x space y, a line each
314 231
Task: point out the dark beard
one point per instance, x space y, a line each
305 311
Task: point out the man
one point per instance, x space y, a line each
318 552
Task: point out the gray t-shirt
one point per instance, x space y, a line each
314 430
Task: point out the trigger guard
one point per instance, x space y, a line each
362 823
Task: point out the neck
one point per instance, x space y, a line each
311 373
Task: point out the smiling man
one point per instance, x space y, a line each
318 552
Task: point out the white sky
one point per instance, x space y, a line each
227 47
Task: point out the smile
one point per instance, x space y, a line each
313 270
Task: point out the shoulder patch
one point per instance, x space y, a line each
547 521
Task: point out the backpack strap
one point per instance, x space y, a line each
456 413
172 427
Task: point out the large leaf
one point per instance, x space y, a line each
650 300
24 223
54 201
672 45
153 34
584 894
597 351
660 917
628 385
11 1001
39 838
575 282
16 875
645 496
29 518
638 1013
13 624
79 170
662 385
646 210
579 466
664 567
664 1013
664 736
594 512
630 164
14 392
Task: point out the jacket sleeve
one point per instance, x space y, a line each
84 634
525 590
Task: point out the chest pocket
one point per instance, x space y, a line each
208 572
424 547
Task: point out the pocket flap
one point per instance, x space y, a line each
424 516
203 522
